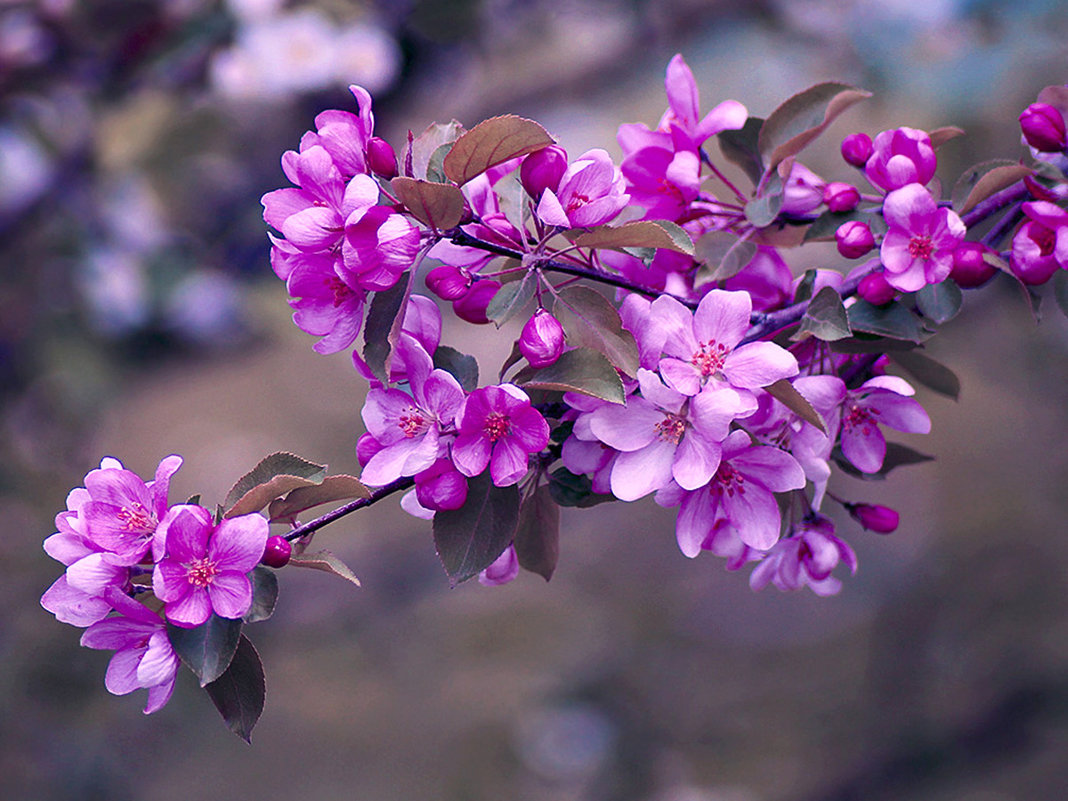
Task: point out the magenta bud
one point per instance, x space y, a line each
840 197
366 447
854 239
543 170
880 519
857 149
277 552
380 158
448 282
441 486
472 306
969 268
542 340
875 289
1043 127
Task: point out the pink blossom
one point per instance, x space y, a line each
1043 127
900 157
857 149
805 559
1040 246
684 107
918 247
542 339
766 279
803 191
503 570
591 192
202 568
441 486
498 428
883 399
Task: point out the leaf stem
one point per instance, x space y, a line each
376 495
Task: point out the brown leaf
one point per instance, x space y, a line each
333 488
491 142
441 206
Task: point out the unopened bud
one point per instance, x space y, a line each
543 170
542 340
854 239
875 289
472 306
277 552
857 149
969 268
880 519
448 282
441 486
840 197
1043 127
381 158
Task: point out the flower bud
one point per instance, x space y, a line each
880 519
854 239
472 306
969 268
542 340
543 170
381 159
875 289
504 569
857 149
1043 127
448 282
840 197
441 486
277 552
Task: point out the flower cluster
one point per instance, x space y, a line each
128 554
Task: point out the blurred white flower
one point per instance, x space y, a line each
367 55
114 285
24 170
254 10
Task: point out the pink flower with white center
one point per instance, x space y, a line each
900 157
805 559
1040 246
664 435
202 568
592 192
880 400
741 495
144 658
498 428
703 347
409 427
918 247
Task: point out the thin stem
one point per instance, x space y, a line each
376 495
764 323
996 201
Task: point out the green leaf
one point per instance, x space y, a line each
537 537
762 211
327 563
273 477
491 142
207 649
897 455
581 370
568 489
721 255
239 693
591 321
742 148
825 318
805 286
892 320
1060 290
435 168
940 303
333 488
463 368
928 372
980 181
470 538
383 312
441 206
639 234
511 299
785 392
264 594
797 122
426 146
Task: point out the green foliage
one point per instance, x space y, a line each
239 693
660 234
825 318
333 488
439 205
927 371
470 538
791 127
274 476
383 315
590 320
463 368
568 489
982 180
264 594
327 563
208 648
537 538
941 302
581 370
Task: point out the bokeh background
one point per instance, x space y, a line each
139 317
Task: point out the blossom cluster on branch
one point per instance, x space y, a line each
704 373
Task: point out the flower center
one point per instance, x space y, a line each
576 201
496 426
858 417
671 428
201 572
709 358
1045 238
729 481
136 517
921 246
412 422
340 291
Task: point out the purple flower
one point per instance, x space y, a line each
885 400
803 191
441 486
543 170
684 107
805 559
1043 127
504 569
854 238
542 339
202 567
918 247
144 658
345 136
703 346
1040 246
900 157
591 192
664 435
857 149
498 427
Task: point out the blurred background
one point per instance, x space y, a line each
139 317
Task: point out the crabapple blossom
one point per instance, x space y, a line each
498 428
854 238
883 399
857 149
542 339
1043 127
504 569
918 247
900 157
591 192
805 559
